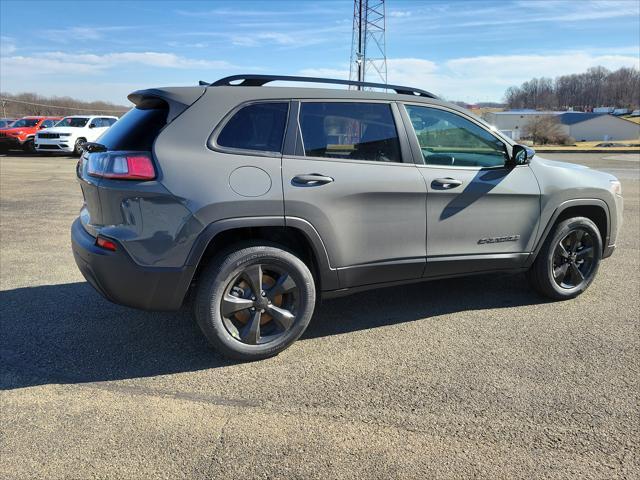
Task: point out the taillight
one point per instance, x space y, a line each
121 165
106 244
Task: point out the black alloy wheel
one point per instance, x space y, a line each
573 259
568 261
260 304
254 299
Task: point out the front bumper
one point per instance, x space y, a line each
119 279
64 144
11 142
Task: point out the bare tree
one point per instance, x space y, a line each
597 87
20 105
545 129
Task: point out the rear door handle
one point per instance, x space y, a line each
311 179
446 183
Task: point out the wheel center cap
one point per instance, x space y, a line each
262 303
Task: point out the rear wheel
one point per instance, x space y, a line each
569 259
254 301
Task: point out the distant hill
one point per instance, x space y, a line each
22 104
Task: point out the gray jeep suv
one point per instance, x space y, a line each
260 200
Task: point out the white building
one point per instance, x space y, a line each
578 125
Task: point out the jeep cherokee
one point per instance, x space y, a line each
259 200
70 133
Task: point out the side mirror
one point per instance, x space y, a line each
521 155
92 125
42 126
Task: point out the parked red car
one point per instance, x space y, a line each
21 134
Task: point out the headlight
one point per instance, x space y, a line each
65 134
616 187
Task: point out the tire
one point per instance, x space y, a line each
77 147
29 146
227 291
564 271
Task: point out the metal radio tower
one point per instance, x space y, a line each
368 56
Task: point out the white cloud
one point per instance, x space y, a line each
482 78
85 63
399 13
486 78
7 45
79 34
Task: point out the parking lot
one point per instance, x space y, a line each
479 378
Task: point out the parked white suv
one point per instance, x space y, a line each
70 133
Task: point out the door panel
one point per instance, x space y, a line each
481 215
493 211
370 213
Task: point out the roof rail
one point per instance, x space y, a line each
260 80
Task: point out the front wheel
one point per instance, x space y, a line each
254 301
568 260
77 147
29 146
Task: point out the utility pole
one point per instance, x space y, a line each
368 50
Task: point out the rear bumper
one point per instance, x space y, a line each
119 279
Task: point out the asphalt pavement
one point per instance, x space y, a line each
468 378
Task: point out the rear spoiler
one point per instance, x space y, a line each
178 99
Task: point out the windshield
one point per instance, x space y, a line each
72 122
25 122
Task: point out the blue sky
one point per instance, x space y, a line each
462 50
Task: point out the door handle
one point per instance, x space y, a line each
446 183
311 179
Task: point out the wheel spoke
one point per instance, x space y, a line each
283 317
231 304
584 251
253 275
563 251
285 284
577 239
560 272
251 332
577 272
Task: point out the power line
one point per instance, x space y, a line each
61 107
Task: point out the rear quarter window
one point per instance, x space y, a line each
259 127
136 130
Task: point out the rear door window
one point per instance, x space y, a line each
136 129
350 131
259 126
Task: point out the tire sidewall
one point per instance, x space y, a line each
561 232
77 149
211 292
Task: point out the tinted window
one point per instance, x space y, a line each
72 122
353 131
259 126
48 123
25 122
136 130
451 140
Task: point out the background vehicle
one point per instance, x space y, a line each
264 199
21 133
71 132
6 122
